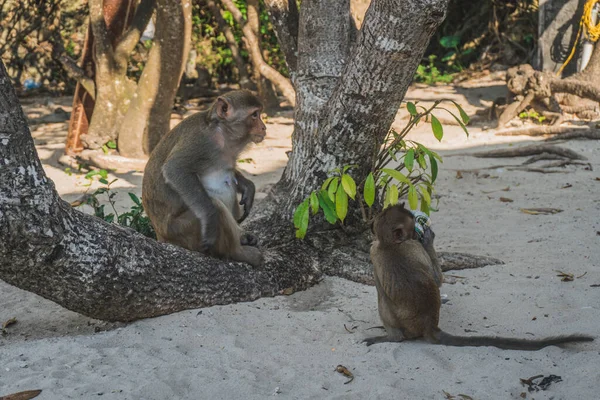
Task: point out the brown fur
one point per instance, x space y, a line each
190 184
408 294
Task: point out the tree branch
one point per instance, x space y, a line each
270 73
78 74
128 41
284 17
104 54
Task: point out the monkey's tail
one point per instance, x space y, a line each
508 343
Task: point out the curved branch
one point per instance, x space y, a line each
128 41
270 73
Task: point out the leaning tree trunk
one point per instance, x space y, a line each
346 102
149 113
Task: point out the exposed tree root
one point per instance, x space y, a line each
530 85
457 261
541 130
530 150
592 134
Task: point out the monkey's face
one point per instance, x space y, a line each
256 127
394 225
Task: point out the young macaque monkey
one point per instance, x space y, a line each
408 294
191 182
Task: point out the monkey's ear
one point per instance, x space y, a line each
223 108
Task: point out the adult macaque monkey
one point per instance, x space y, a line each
408 295
190 184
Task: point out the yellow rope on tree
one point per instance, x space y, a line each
593 31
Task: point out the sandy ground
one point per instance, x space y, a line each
288 347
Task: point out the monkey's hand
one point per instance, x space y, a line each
247 189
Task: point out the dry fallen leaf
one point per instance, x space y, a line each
9 322
540 211
565 276
459 175
346 372
506 200
26 395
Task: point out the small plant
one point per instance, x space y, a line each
111 144
135 218
420 163
430 74
531 114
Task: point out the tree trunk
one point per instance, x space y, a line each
265 89
149 113
347 100
346 105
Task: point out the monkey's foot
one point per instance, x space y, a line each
248 239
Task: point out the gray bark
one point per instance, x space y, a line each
347 100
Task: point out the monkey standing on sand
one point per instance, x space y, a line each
190 184
408 295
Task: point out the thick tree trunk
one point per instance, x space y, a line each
347 104
149 113
284 17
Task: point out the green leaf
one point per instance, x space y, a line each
111 144
301 219
424 207
103 181
425 195
463 115
436 126
333 188
369 190
314 203
409 159
326 183
412 109
421 161
434 168
393 189
135 199
341 204
347 167
327 206
413 198
397 175
104 149
299 213
349 185
449 42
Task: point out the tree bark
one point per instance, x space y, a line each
149 113
284 17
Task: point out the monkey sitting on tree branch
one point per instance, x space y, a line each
190 183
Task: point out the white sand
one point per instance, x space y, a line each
288 347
